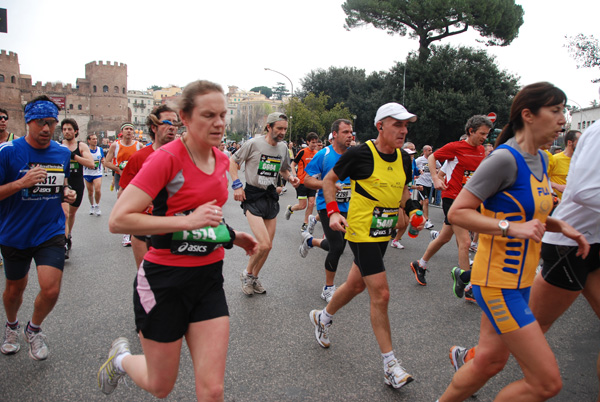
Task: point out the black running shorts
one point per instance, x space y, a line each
18 261
563 269
167 299
264 207
369 257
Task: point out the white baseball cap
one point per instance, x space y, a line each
394 110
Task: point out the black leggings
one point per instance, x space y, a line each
334 242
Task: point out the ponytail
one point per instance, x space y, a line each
506 134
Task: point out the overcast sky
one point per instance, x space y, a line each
232 41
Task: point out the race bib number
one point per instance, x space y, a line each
96 164
343 195
74 166
51 187
425 169
200 242
269 166
467 176
383 222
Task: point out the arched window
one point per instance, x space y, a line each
105 88
79 107
123 90
116 89
13 79
95 89
1 78
71 106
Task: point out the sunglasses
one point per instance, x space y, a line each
42 122
170 123
5 118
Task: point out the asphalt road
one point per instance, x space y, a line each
273 355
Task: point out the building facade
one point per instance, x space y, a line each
141 104
583 118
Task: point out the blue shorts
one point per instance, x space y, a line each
507 309
18 261
90 179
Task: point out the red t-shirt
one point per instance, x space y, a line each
463 159
134 165
177 185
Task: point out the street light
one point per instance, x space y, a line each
291 104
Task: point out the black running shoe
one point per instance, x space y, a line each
419 273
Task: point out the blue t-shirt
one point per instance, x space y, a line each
318 168
33 215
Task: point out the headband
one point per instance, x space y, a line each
40 110
126 125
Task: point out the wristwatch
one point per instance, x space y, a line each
504 225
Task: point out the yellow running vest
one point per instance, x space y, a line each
375 201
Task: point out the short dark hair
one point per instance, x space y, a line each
156 113
73 123
477 121
4 111
91 134
311 136
571 135
336 124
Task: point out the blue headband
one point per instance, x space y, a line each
40 110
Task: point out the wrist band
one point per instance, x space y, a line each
332 207
236 184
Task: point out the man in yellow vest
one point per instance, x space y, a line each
380 173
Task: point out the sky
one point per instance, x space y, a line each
232 41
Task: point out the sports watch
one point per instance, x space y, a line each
504 225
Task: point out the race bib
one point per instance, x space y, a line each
53 185
383 222
74 166
343 195
200 242
269 166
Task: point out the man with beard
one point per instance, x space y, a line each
162 126
266 158
80 157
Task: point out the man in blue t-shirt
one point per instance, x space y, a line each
316 170
33 183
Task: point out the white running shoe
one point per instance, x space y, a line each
428 224
10 344
247 284
434 234
321 330
38 350
327 294
395 375
303 249
288 212
312 221
109 375
126 241
92 209
98 212
396 244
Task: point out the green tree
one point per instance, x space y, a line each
431 20
311 114
266 91
360 93
155 88
280 91
585 50
453 85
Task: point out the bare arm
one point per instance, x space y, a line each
109 157
336 220
437 182
86 159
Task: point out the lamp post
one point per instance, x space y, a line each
291 104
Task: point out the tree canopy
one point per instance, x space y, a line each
280 91
431 20
266 91
585 50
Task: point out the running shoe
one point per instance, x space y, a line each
428 224
419 272
304 246
38 350
459 286
469 294
396 244
288 212
109 375
395 375
457 356
257 286
434 234
10 344
69 242
312 221
473 247
112 186
327 293
247 286
92 209
66 252
126 240
98 212
321 330
303 228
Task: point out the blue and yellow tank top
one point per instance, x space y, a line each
508 262
375 201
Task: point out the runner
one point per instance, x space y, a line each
513 186
266 159
33 181
162 125
80 157
380 174
179 289
306 196
424 179
463 158
334 242
5 136
93 177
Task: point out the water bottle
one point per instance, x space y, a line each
415 221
